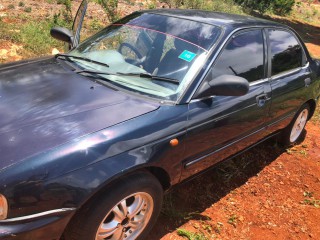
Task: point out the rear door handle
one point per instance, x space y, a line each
261 100
307 82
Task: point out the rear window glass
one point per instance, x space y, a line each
286 52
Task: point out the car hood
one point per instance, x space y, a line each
43 105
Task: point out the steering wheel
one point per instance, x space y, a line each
131 47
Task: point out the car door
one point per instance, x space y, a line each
289 74
220 126
77 23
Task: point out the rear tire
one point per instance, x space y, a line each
293 133
128 210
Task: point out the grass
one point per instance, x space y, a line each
306 12
316 116
168 208
218 227
11 6
233 219
33 29
28 9
35 37
227 6
205 231
191 235
308 194
310 199
218 5
36 40
312 202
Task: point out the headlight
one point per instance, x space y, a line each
3 207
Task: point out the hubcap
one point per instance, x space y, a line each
127 219
299 125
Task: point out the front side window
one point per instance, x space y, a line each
286 52
243 56
150 44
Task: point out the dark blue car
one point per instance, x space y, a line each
90 140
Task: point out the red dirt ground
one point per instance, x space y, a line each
267 193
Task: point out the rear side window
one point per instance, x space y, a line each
243 56
286 52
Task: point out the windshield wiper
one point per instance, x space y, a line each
81 58
141 75
150 76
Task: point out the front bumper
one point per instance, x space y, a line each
43 226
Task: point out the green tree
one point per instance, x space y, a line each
282 7
260 5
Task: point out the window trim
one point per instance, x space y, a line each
221 49
230 39
287 72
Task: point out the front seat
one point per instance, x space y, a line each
154 54
172 64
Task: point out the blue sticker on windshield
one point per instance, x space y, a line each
187 56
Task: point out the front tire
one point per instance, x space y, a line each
127 210
294 131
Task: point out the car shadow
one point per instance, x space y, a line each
188 200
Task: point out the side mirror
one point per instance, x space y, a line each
62 34
71 37
224 85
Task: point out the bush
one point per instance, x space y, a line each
173 3
280 7
11 6
228 6
261 6
28 9
189 4
111 7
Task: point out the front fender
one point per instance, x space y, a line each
69 175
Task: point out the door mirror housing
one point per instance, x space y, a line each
224 85
62 34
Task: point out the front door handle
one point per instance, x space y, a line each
261 100
307 82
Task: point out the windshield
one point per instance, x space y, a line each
157 45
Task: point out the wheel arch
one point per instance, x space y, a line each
312 104
157 172
162 176
103 191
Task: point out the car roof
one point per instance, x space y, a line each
226 20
